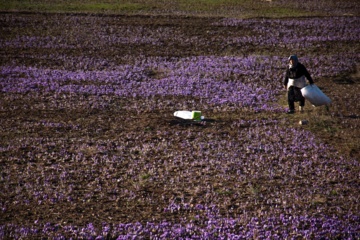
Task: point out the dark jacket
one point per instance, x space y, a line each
298 71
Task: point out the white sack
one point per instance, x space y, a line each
315 96
183 114
195 115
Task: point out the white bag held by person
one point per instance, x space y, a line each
315 96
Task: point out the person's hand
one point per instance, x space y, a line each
285 86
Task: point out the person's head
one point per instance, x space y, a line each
293 61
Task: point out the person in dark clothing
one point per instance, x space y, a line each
294 81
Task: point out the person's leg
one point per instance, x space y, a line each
302 103
291 99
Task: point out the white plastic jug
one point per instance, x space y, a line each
314 95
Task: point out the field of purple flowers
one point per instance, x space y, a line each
89 146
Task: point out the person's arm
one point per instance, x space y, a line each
286 79
307 75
